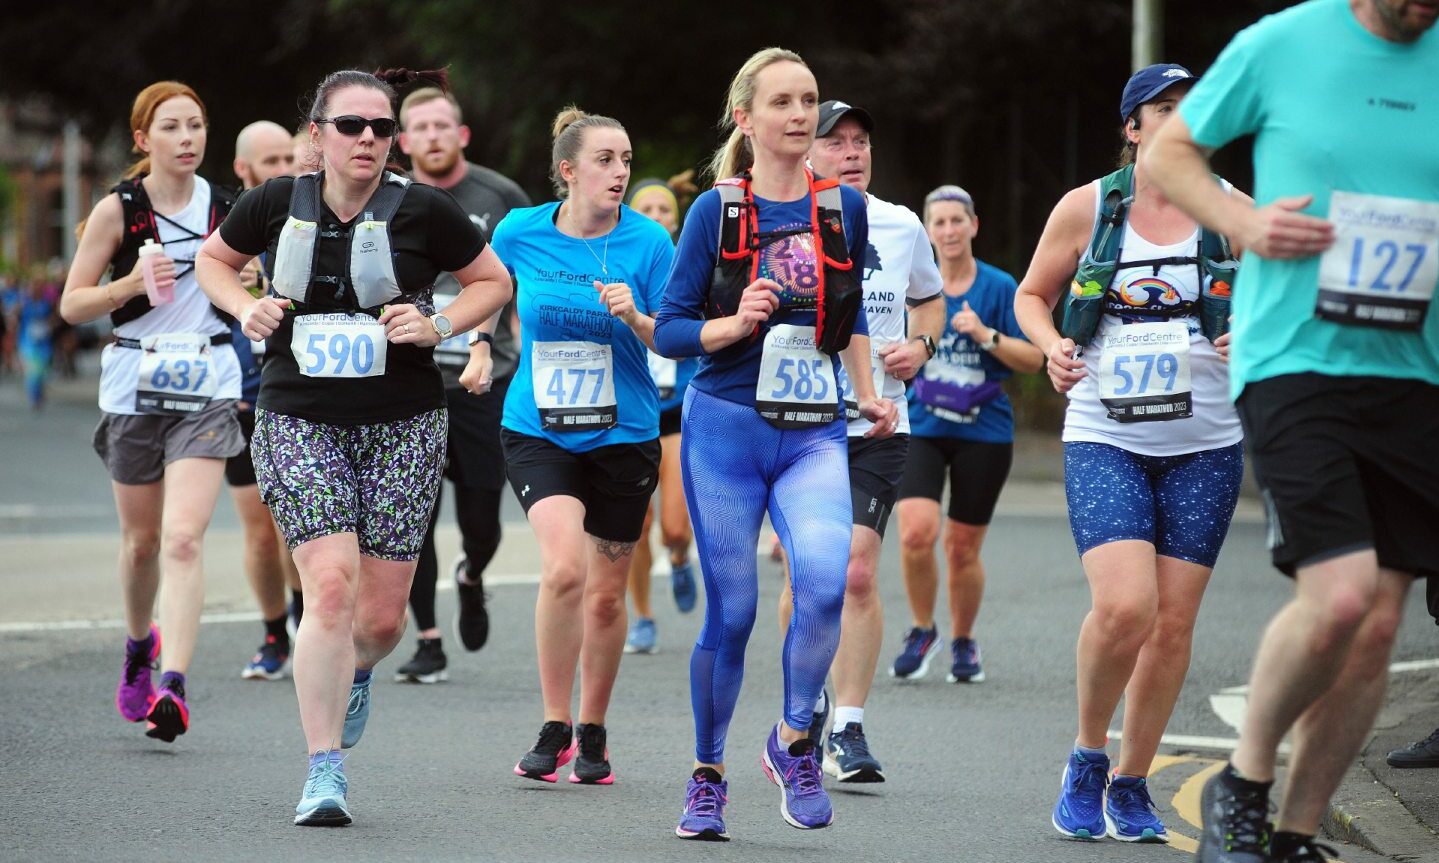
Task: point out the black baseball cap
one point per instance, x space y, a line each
832 110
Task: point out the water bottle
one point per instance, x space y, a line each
149 253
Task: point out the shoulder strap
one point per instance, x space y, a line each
382 205
734 234
1116 191
305 198
829 201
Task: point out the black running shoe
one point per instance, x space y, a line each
472 619
1425 753
1236 820
426 666
1297 848
552 751
592 764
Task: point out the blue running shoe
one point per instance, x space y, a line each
270 662
966 667
795 769
847 758
919 648
705 799
682 582
819 718
357 713
1079 814
1129 812
322 803
643 637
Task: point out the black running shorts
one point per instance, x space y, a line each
976 471
613 482
875 469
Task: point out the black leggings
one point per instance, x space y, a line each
477 510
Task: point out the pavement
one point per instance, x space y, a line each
972 769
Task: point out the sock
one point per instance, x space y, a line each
144 645
1286 843
173 681
297 604
708 774
336 756
845 715
1235 778
362 675
819 703
1091 754
276 629
320 756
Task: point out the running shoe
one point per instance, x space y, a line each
592 761
920 646
1425 753
1129 812
819 718
705 799
552 751
847 758
965 667
322 803
136 693
1296 848
643 637
1079 814
682 582
1236 820
803 802
169 717
357 713
472 619
270 662
426 666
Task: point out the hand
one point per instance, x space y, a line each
903 359
1064 370
477 377
1221 346
756 304
250 277
1278 230
404 325
260 318
619 300
967 322
883 413
164 270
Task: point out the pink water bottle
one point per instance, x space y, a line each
149 253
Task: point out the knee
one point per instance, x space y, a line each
1124 622
861 582
918 534
140 547
1172 635
182 544
380 625
1339 613
330 597
1376 638
565 582
675 536
961 550
605 607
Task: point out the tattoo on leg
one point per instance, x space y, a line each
613 550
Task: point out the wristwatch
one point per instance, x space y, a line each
442 326
478 336
992 343
929 345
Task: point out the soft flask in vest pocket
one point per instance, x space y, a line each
1218 269
1083 310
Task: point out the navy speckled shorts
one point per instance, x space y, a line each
1180 504
378 481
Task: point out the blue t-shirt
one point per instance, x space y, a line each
1334 108
960 360
603 370
731 373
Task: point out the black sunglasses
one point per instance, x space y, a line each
351 125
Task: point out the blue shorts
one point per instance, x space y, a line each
1180 504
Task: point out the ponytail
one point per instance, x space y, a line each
737 155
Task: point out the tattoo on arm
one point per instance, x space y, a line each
613 550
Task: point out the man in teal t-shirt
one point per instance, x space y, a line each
1335 369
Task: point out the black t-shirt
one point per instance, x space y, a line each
429 234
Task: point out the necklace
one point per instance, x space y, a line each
603 262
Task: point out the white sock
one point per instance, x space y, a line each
819 703
845 715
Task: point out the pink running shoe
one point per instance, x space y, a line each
136 693
169 717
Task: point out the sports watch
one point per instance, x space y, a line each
992 342
442 325
929 345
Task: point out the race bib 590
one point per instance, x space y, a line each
339 345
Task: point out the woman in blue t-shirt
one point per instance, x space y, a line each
962 427
763 426
581 422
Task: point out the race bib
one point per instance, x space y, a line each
175 374
665 372
574 384
1144 373
1383 266
796 387
339 345
846 389
453 352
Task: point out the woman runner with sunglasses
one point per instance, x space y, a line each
350 427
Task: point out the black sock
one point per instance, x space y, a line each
297 604
276 629
1235 780
708 774
1286 843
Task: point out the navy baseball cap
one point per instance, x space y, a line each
1146 85
831 111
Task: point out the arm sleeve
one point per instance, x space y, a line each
925 281
245 229
454 240
682 310
1228 101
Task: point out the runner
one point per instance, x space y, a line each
581 423
434 137
262 150
350 427
963 428
1152 449
1336 372
654 199
168 385
762 418
899 274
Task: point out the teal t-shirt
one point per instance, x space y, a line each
1334 109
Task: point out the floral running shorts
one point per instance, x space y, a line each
378 481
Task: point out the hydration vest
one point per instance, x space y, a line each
838 295
1090 296
139 224
370 268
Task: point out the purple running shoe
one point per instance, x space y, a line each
136 693
796 770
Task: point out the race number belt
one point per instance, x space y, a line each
1383 266
796 387
339 345
574 384
175 376
1144 373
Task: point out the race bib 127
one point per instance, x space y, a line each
1383 266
